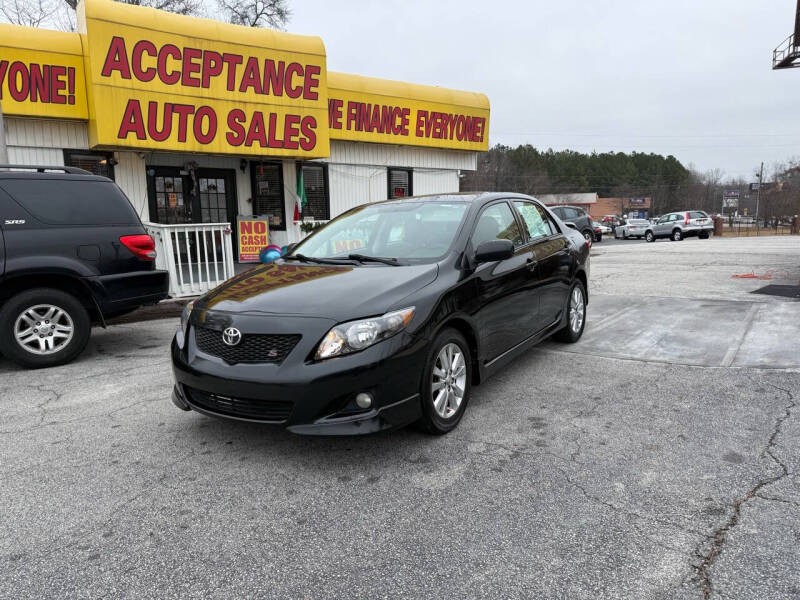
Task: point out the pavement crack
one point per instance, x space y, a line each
720 536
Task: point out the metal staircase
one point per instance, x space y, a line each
787 55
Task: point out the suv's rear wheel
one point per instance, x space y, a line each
677 235
43 327
446 382
649 236
588 235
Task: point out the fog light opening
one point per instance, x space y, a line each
364 400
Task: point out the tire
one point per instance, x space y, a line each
70 320
704 236
433 420
576 323
677 235
649 236
588 236
598 238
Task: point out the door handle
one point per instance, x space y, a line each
531 264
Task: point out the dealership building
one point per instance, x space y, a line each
200 121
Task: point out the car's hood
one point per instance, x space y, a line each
331 291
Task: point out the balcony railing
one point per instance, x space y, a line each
787 54
198 256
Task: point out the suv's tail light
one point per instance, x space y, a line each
142 246
687 219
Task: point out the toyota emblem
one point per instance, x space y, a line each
231 336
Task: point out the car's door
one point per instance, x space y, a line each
505 315
551 267
662 225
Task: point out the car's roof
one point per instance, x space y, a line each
50 175
470 197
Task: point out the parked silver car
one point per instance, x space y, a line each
679 225
632 228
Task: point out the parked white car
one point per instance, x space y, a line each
632 228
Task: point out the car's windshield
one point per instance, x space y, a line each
407 231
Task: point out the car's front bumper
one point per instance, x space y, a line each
315 398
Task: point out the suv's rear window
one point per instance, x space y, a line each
72 201
697 215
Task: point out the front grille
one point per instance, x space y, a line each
273 411
254 347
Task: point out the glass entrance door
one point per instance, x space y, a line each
176 199
167 189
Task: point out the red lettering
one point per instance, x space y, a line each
116 59
166 123
132 122
273 77
3 70
231 61
183 111
212 66
291 131
260 228
272 129
292 69
311 82
308 127
235 136
352 108
18 81
250 78
255 132
57 84
143 47
191 66
167 51
205 113
245 227
40 83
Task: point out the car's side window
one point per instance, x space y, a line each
497 222
534 218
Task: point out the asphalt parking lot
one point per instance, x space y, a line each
657 458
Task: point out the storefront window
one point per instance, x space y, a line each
400 183
268 193
98 163
315 183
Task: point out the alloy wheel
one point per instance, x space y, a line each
577 310
43 329
448 380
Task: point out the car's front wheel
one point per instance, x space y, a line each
576 315
677 235
43 327
588 235
446 382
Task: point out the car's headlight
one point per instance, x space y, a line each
187 310
357 335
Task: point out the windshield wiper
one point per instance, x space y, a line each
307 259
380 259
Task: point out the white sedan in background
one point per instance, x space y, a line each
632 228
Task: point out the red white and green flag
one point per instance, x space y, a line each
302 200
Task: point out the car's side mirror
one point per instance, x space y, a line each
494 250
571 225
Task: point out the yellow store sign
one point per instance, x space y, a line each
41 73
164 81
365 109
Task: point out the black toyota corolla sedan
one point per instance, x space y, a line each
386 316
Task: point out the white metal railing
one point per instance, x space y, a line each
198 256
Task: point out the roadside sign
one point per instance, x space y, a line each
730 198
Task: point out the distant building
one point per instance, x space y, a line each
586 201
632 207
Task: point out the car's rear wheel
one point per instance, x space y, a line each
677 235
704 236
446 382
43 327
576 314
649 236
588 235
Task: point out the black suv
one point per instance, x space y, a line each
572 215
72 252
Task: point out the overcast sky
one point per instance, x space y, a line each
690 78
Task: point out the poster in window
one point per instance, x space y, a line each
263 187
173 200
399 192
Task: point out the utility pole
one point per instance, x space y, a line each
758 192
3 147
